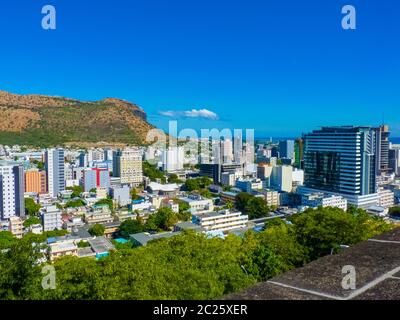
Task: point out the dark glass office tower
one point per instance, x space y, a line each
382 149
341 160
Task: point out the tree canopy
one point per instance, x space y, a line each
163 268
31 207
96 230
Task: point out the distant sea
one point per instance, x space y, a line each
394 140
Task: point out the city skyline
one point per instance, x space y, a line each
290 66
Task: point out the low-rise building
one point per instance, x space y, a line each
141 239
73 223
228 179
378 211
187 225
246 185
99 214
169 203
61 249
101 246
51 218
314 200
221 220
228 196
386 198
198 204
36 228
16 226
170 190
101 193
121 195
271 196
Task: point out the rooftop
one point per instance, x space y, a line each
101 245
144 237
163 187
377 267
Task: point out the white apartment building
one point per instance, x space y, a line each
198 205
314 200
220 221
297 177
281 178
55 171
386 198
12 188
173 159
51 218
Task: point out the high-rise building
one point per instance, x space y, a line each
11 190
238 147
173 159
382 149
341 160
55 171
95 178
286 149
226 151
298 153
394 160
264 171
35 181
215 171
282 178
127 165
83 160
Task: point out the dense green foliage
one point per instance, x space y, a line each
76 191
173 178
164 268
395 211
108 202
255 207
325 229
197 183
39 164
31 207
134 195
6 239
83 244
130 226
152 172
76 203
96 230
55 233
31 221
163 219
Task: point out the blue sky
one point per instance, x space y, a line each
280 67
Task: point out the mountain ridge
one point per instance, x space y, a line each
41 120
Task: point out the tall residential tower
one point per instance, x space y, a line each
55 171
11 190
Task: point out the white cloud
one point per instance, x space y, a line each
194 113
